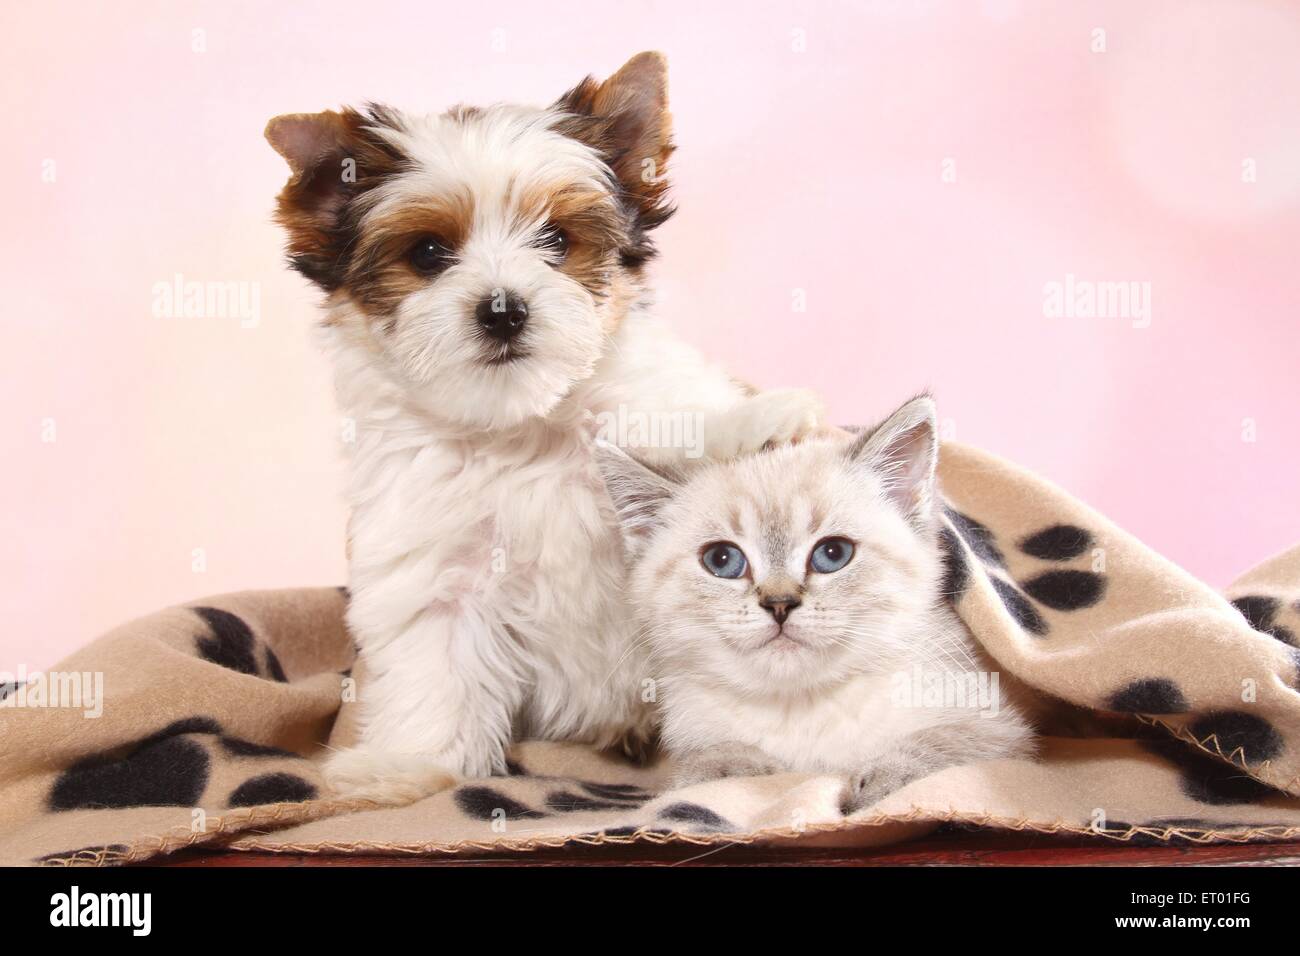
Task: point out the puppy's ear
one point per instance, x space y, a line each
904 451
638 493
306 139
626 119
332 157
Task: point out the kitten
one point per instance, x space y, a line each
790 599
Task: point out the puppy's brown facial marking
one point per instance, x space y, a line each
335 157
593 226
411 223
387 263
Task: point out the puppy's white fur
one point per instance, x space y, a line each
486 572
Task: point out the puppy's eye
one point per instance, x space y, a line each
429 255
554 241
830 555
724 560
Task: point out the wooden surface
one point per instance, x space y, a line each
982 848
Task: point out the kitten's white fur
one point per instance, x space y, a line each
741 694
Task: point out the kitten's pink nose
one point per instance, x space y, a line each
779 606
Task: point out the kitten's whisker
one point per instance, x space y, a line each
650 632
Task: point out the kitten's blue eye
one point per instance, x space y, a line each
724 560
831 554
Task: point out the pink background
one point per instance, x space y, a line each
817 170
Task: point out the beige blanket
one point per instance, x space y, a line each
214 717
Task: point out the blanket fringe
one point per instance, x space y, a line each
284 814
1236 757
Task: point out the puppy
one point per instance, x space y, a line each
485 300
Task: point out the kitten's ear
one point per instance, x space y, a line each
626 119
904 450
638 493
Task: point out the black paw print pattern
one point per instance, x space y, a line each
169 768
1203 776
172 768
229 642
1223 743
1060 589
563 795
1264 614
568 796
1242 739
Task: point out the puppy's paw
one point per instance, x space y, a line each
724 760
777 417
393 779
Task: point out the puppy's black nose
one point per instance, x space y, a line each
779 606
502 317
